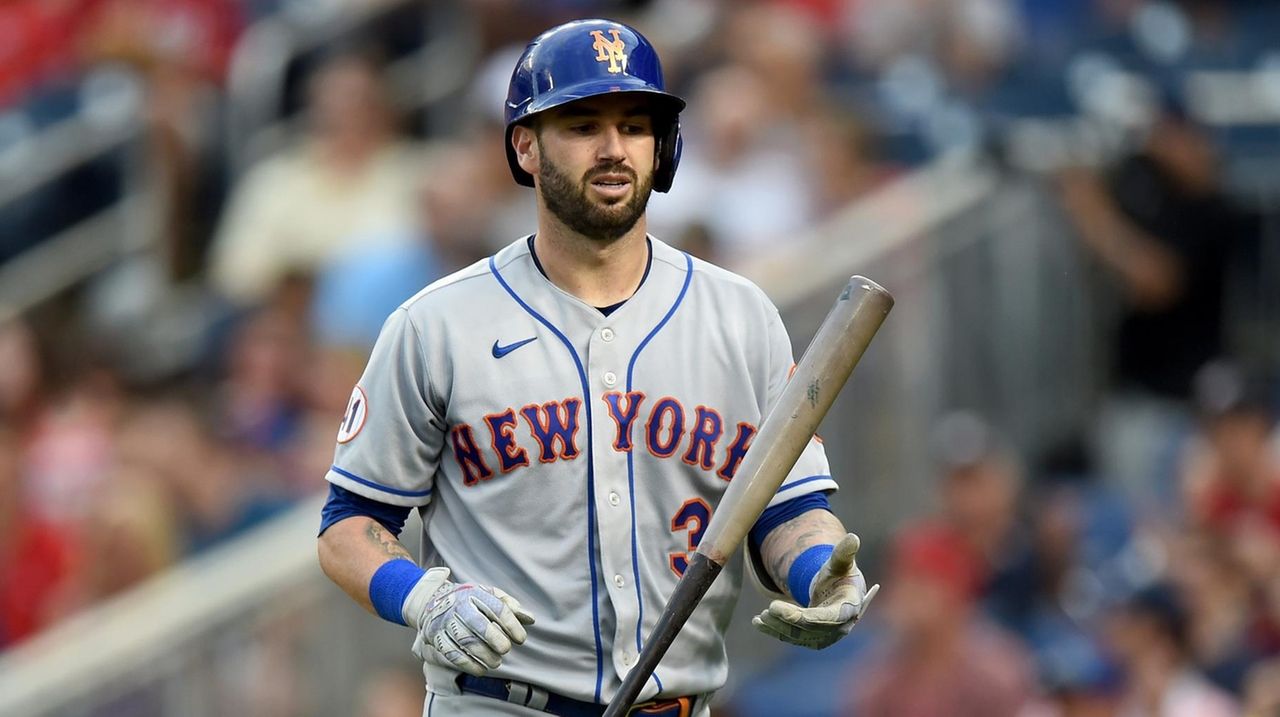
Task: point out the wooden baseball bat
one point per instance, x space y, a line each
791 423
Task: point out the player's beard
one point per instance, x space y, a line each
570 203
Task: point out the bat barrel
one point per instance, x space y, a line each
693 585
818 377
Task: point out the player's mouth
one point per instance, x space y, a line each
612 186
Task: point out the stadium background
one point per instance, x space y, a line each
206 207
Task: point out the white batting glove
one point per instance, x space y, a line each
468 627
838 599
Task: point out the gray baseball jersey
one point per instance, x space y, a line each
574 459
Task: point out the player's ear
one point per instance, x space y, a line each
524 140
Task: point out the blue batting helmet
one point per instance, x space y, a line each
586 58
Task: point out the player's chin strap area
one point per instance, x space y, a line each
539 699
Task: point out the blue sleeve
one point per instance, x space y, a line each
342 503
782 512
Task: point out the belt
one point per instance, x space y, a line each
539 699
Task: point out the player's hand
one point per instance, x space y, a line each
468 627
838 599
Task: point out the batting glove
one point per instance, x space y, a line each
838 599
468 627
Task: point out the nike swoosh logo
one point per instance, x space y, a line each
500 351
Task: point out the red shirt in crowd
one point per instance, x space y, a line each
33 570
1224 506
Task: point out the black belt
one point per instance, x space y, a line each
539 699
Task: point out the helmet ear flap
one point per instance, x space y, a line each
522 177
667 156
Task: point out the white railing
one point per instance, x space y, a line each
66 259
81 659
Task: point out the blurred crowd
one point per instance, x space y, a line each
187 394
1049 593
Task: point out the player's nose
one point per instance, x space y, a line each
611 145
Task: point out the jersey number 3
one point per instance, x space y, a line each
692 517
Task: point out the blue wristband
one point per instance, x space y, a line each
391 585
800 577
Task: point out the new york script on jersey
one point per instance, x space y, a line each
552 435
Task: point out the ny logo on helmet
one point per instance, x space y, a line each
613 51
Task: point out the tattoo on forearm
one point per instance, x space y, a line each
386 541
786 542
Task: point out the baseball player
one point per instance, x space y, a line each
565 416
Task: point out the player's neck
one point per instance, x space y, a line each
601 273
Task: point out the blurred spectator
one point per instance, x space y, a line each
879 32
283 391
970 38
348 177
770 152
260 398
942 660
1231 489
1030 589
357 292
981 483
23 383
787 60
1051 597
36 558
1030 571
131 535
311 450
1162 226
1150 638
219 496
214 492
198 35
979 39
178 52
38 46
743 178
1231 478
842 159
68 451
325 380
1222 622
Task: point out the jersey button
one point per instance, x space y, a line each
610 378
617 580
606 334
628 660
614 499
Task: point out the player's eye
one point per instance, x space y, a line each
635 129
582 128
